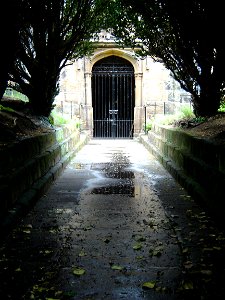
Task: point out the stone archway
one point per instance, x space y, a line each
138 105
113 98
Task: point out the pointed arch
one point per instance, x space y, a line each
113 97
116 52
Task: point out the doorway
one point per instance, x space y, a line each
113 98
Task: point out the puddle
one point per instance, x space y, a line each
116 169
121 182
122 189
120 174
112 177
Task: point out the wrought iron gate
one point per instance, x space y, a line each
113 98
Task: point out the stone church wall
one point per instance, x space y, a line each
153 87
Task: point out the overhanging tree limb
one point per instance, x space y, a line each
53 33
184 35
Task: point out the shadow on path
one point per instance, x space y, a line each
115 225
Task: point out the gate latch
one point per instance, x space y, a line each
113 111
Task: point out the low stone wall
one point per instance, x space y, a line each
198 164
29 167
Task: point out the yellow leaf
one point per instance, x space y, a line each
82 253
18 270
140 239
139 257
26 231
78 271
148 285
137 247
217 248
188 285
206 272
185 250
117 267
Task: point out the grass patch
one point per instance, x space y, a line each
5 108
58 119
184 114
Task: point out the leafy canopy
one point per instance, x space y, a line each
52 33
184 36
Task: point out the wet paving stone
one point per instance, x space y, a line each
114 226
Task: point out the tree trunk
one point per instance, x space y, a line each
3 81
9 31
208 102
41 103
43 92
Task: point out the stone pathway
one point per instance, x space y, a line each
115 225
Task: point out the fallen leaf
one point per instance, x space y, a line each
18 270
82 253
148 285
88 228
139 257
173 236
185 250
70 294
217 248
140 239
174 216
207 249
26 231
46 252
206 272
78 271
117 267
53 231
188 265
137 246
155 252
188 285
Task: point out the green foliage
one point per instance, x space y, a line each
52 34
166 119
58 119
148 125
78 124
222 106
51 119
14 94
174 32
199 120
186 112
5 108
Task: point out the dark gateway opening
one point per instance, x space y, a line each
113 98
